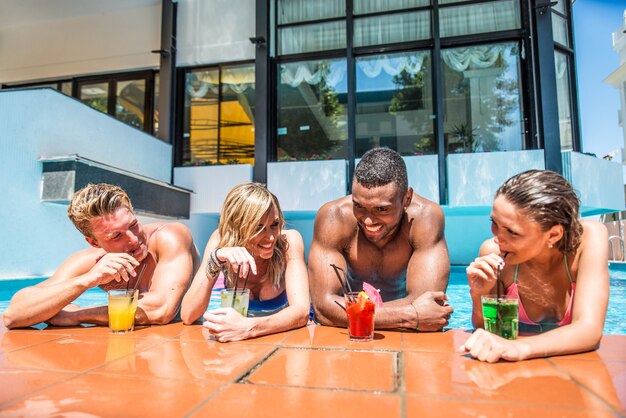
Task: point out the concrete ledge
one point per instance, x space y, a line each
63 176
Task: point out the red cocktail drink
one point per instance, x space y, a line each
360 310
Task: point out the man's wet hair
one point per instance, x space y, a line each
379 167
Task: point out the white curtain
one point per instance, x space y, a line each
238 79
311 38
479 18
479 56
374 6
394 65
392 28
311 72
291 11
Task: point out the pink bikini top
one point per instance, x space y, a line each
523 317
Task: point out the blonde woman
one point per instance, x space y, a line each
251 246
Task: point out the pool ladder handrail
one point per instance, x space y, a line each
621 244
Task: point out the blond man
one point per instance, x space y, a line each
120 248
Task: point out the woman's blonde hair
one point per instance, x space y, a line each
241 215
94 201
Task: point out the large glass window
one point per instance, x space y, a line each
479 18
563 93
312 100
124 96
219 116
482 98
394 103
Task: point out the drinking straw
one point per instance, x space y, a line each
499 278
498 291
346 288
232 302
143 268
340 305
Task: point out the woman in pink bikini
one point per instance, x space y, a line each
555 263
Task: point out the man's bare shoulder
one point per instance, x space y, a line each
172 233
335 221
424 210
339 210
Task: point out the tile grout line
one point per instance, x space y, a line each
401 382
36 344
235 381
586 389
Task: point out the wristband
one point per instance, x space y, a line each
417 318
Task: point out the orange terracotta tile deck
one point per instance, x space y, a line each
176 370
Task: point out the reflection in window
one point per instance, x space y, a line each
130 103
155 100
479 18
95 95
201 116
482 99
312 110
394 103
563 100
66 88
219 132
237 115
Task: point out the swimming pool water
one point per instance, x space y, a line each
458 293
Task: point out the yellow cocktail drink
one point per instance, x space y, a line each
122 307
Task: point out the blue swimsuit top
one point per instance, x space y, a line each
268 307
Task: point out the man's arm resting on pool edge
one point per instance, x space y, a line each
427 274
81 271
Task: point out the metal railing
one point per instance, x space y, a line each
611 252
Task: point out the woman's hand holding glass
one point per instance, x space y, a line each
226 324
239 258
488 347
482 273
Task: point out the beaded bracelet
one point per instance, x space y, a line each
213 265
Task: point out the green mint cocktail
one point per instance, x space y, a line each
501 315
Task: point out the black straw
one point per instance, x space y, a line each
499 284
499 279
232 302
347 289
340 305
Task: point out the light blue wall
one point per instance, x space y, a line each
474 178
598 182
42 123
307 185
423 175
